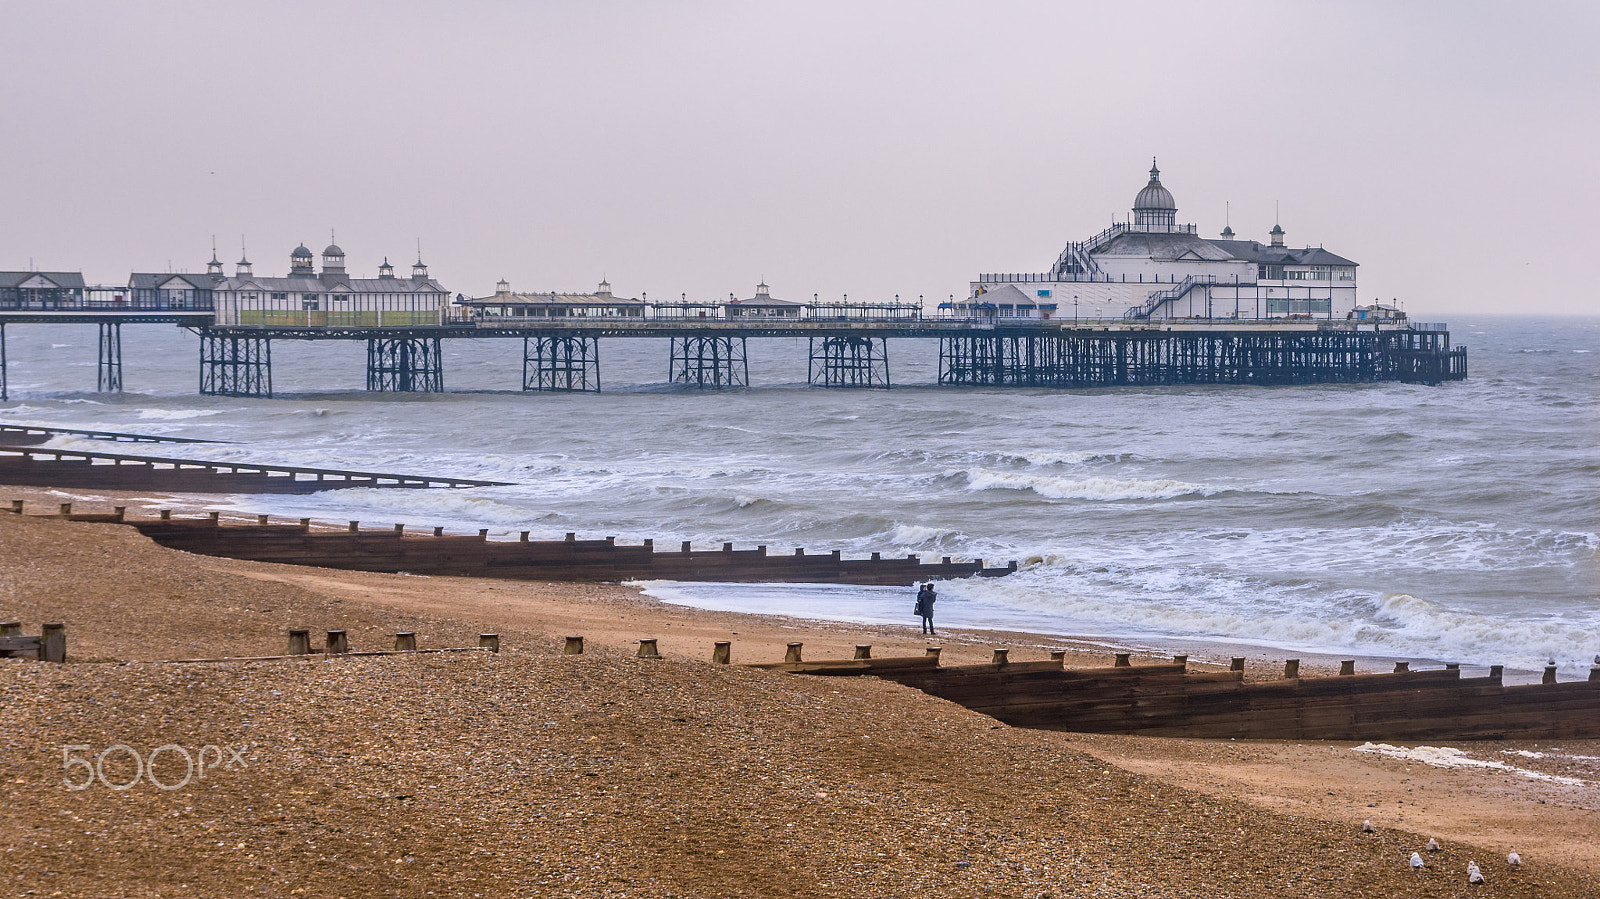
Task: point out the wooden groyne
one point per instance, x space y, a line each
1170 700
394 550
31 435
35 467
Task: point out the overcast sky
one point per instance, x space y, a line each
854 148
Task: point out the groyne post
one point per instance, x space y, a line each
53 643
722 652
1291 669
793 653
573 647
490 642
648 650
405 641
299 641
338 642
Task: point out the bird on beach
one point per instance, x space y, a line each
1366 826
1473 874
1416 861
1513 859
1433 845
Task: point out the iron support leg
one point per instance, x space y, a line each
848 362
566 363
109 376
713 362
235 366
404 365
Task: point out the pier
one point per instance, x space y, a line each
565 355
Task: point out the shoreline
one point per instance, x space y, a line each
1204 652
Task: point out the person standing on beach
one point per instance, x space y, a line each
924 607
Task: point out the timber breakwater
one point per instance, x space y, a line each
1169 700
393 550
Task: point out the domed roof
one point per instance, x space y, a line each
332 250
1154 196
299 252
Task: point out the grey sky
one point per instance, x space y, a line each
851 148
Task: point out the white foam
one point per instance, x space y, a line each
176 414
1100 489
918 535
1448 757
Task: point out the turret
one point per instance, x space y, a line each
301 262
333 262
386 270
1277 235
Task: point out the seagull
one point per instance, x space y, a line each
1416 861
1473 874
1366 827
1433 845
1514 860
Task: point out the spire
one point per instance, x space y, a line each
1227 221
214 267
242 269
419 269
1155 173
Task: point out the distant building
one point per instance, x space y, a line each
763 306
40 290
505 304
331 298
1151 267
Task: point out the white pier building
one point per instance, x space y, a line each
1149 267
331 298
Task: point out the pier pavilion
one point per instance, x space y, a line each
1150 267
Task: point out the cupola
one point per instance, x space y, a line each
1277 235
386 270
332 260
1154 206
301 262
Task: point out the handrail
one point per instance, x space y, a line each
1175 292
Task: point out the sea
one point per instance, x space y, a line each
1455 523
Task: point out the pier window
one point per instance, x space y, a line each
1270 272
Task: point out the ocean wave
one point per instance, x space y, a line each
1098 489
1178 601
176 414
912 535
